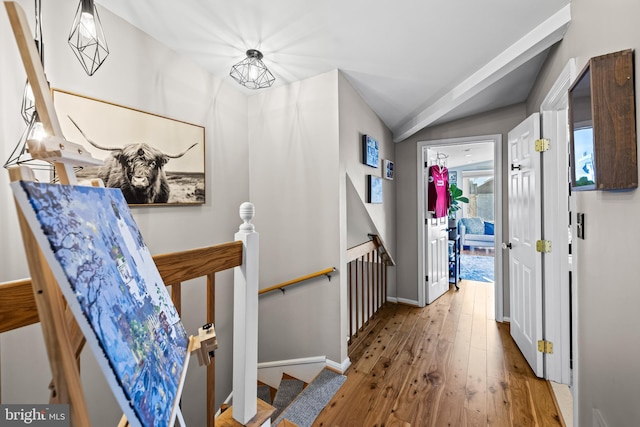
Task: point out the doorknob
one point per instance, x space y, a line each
506 245
514 167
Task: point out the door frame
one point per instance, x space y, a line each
560 310
422 146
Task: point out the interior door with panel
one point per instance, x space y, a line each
436 248
525 223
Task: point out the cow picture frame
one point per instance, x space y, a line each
171 163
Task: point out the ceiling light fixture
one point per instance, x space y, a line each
28 101
34 130
87 38
251 71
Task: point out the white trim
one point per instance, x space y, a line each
422 146
421 224
291 362
408 302
529 46
553 111
227 401
393 300
506 319
341 367
598 419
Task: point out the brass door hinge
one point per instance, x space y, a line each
545 346
543 246
542 145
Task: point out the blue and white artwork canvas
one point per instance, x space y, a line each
370 151
115 291
374 187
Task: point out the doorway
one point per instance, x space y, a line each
475 221
455 149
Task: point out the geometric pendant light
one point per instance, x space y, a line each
34 130
28 102
251 71
87 38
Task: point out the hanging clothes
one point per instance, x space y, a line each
438 195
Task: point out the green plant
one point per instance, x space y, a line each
456 199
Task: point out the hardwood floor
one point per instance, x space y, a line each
448 364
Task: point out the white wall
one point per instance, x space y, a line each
607 260
304 141
356 120
294 180
143 74
495 122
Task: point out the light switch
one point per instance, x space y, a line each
580 225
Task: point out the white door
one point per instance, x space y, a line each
437 259
436 251
525 221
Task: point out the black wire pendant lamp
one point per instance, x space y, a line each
87 38
251 71
34 130
28 101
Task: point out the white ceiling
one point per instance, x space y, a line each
415 62
467 154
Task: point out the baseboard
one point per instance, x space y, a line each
392 299
506 319
408 302
304 369
598 419
291 362
227 401
339 367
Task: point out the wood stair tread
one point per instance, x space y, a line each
287 423
264 413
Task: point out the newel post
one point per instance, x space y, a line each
245 321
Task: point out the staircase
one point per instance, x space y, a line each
297 403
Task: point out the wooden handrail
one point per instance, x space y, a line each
362 249
18 307
326 272
369 246
382 249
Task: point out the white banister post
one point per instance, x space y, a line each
245 321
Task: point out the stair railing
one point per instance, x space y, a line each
367 282
282 286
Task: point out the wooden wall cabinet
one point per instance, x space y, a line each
602 119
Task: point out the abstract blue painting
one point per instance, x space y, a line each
115 291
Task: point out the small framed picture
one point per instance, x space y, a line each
374 189
388 169
369 151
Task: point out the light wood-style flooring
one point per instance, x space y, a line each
448 364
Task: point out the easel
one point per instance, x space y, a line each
63 338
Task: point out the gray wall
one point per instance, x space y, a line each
290 150
143 74
294 176
356 216
495 122
607 260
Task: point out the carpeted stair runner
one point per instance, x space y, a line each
311 401
264 393
288 390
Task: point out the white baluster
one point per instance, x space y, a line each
245 321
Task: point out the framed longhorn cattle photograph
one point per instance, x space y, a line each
154 160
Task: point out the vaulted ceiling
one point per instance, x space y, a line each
415 62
